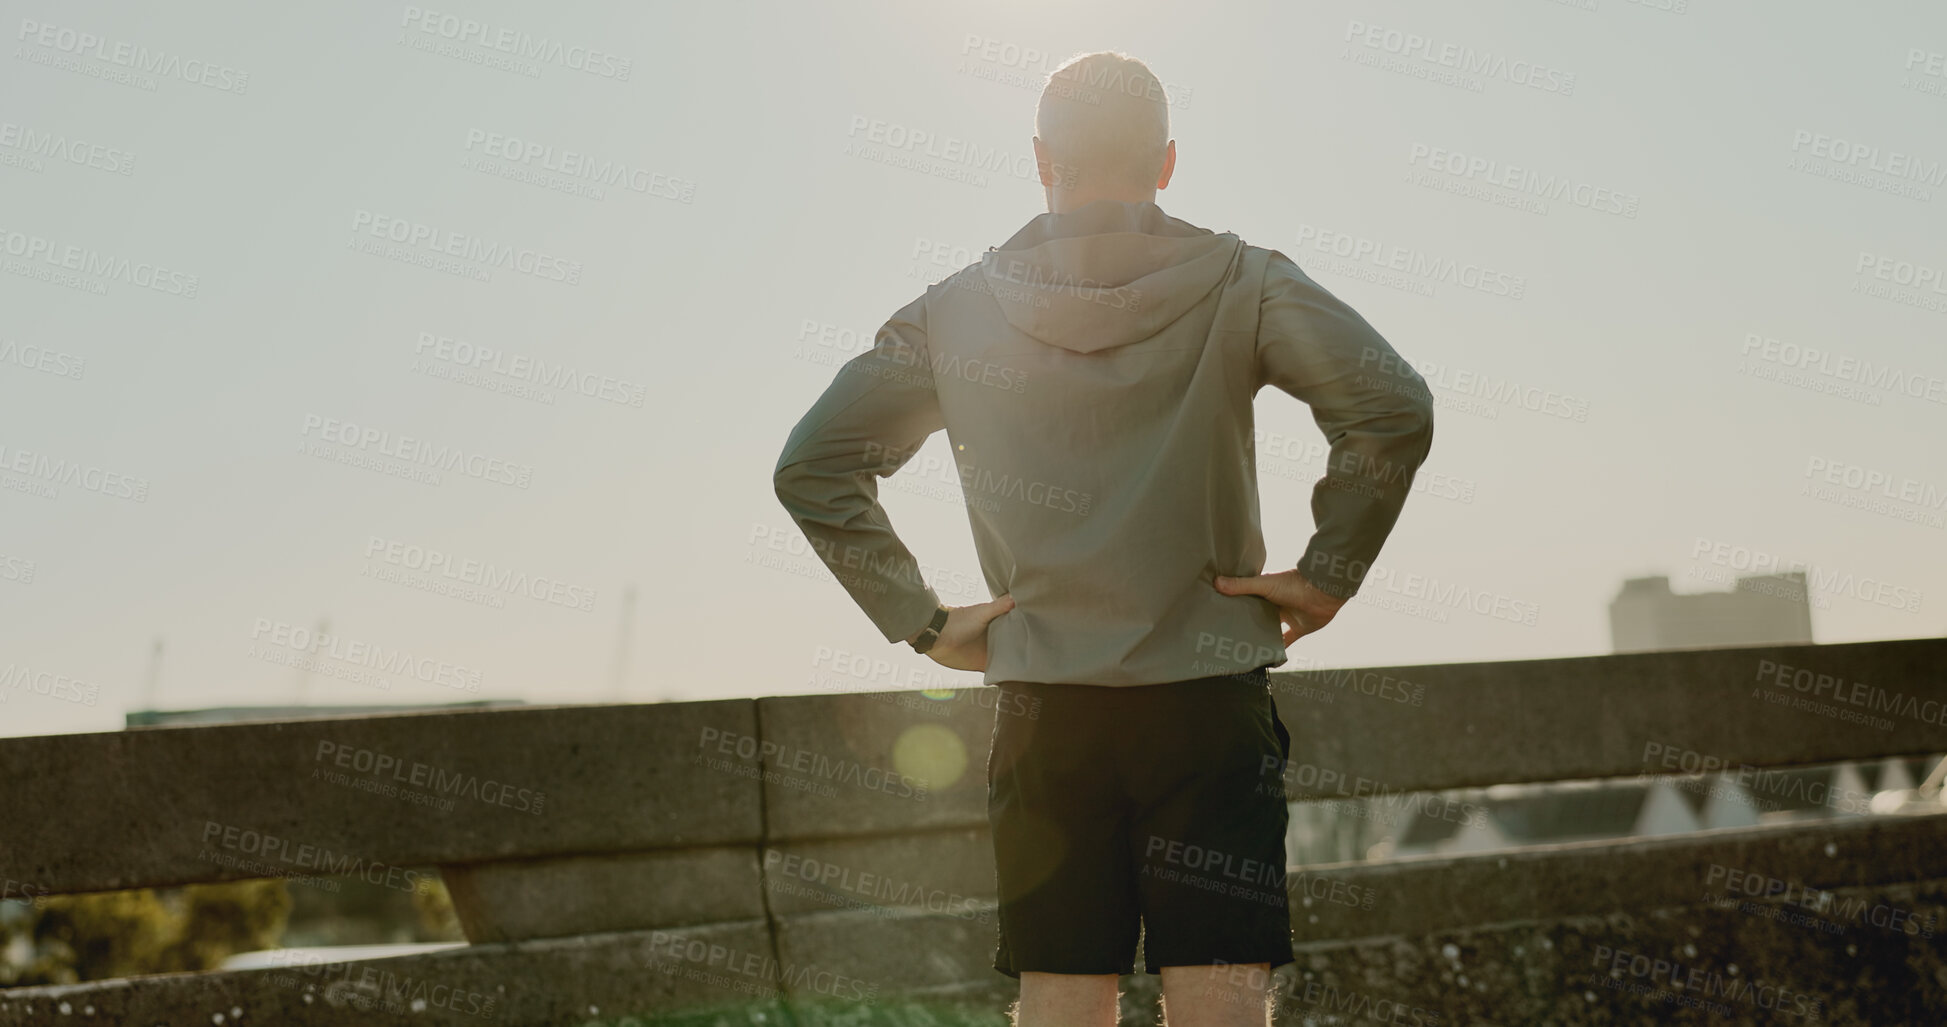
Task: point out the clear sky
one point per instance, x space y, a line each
1674 270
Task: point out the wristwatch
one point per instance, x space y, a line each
932 632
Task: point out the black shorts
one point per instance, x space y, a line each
1159 806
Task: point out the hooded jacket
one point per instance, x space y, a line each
1095 377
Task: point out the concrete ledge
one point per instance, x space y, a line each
897 954
1416 896
1584 970
1741 964
541 983
570 895
946 872
875 763
163 806
1459 725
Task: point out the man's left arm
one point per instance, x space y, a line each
873 417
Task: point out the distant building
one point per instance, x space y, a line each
1768 609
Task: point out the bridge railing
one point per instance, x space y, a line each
808 857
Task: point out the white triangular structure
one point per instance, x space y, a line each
1894 777
1480 834
1729 805
1848 796
1664 812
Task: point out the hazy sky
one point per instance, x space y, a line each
1674 270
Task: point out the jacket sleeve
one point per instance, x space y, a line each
1374 408
877 412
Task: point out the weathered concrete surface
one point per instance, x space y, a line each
1567 971
162 806
948 872
870 763
1857 961
547 982
1360 732
569 895
951 872
1421 895
891 954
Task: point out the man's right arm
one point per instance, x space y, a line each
1374 408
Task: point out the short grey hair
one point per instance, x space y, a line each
1104 116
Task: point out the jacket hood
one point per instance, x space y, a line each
1105 275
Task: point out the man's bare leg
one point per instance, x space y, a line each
1066 1000
1226 995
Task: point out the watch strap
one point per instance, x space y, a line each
931 633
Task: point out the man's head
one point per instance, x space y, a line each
1102 132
